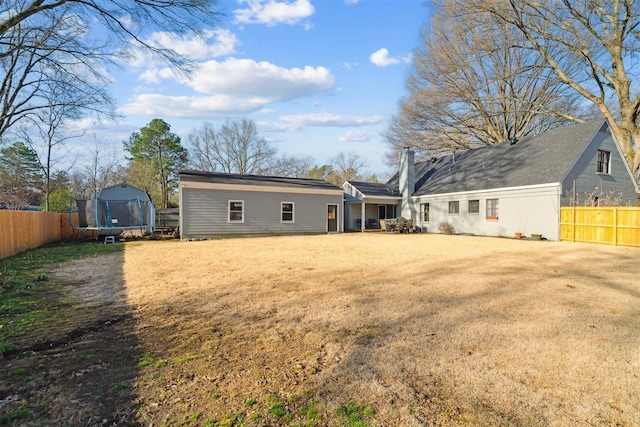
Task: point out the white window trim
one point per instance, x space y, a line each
422 210
449 207
497 208
293 212
608 171
469 205
231 221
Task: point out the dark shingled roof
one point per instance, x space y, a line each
542 159
375 189
257 180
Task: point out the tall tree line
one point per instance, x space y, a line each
490 70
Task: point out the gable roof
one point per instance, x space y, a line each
375 189
256 180
541 159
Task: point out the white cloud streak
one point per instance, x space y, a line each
299 122
272 12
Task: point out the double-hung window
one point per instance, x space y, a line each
236 211
454 208
424 212
474 206
604 162
287 212
492 209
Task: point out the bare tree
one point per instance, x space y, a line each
290 166
103 170
346 167
593 46
42 61
473 84
234 148
46 133
45 42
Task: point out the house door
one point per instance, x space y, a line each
382 211
332 218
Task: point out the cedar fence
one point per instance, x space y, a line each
607 225
21 230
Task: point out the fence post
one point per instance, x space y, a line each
615 226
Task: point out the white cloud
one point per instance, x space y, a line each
248 78
192 107
350 2
298 122
381 58
210 44
272 12
235 86
354 136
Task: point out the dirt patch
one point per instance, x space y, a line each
337 330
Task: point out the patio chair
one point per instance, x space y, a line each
383 225
409 226
401 224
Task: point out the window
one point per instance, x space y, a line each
604 162
236 211
492 209
286 212
424 212
454 208
474 206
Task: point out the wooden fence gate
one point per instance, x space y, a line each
607 225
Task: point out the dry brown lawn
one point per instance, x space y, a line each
394 329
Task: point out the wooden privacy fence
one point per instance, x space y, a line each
608 225
21 230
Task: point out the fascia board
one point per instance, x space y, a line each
492 190
258 188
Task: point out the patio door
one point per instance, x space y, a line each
382 211
332 218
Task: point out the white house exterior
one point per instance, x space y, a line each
505 188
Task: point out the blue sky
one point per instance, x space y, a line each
318 77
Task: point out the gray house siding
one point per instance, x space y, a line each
206 213
582 181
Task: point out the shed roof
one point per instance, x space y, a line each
541 159
255 180
375 189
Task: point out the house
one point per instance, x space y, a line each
500 189
221 204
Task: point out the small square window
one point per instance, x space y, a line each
236 211
287 212
604 162
474 206
454 208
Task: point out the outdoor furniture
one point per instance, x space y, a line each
401 224
383 225
392 224
409 226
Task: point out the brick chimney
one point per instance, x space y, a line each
407 182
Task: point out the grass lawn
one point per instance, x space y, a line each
346 330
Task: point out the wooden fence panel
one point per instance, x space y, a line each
21 230
608 225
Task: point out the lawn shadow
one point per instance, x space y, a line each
81 369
